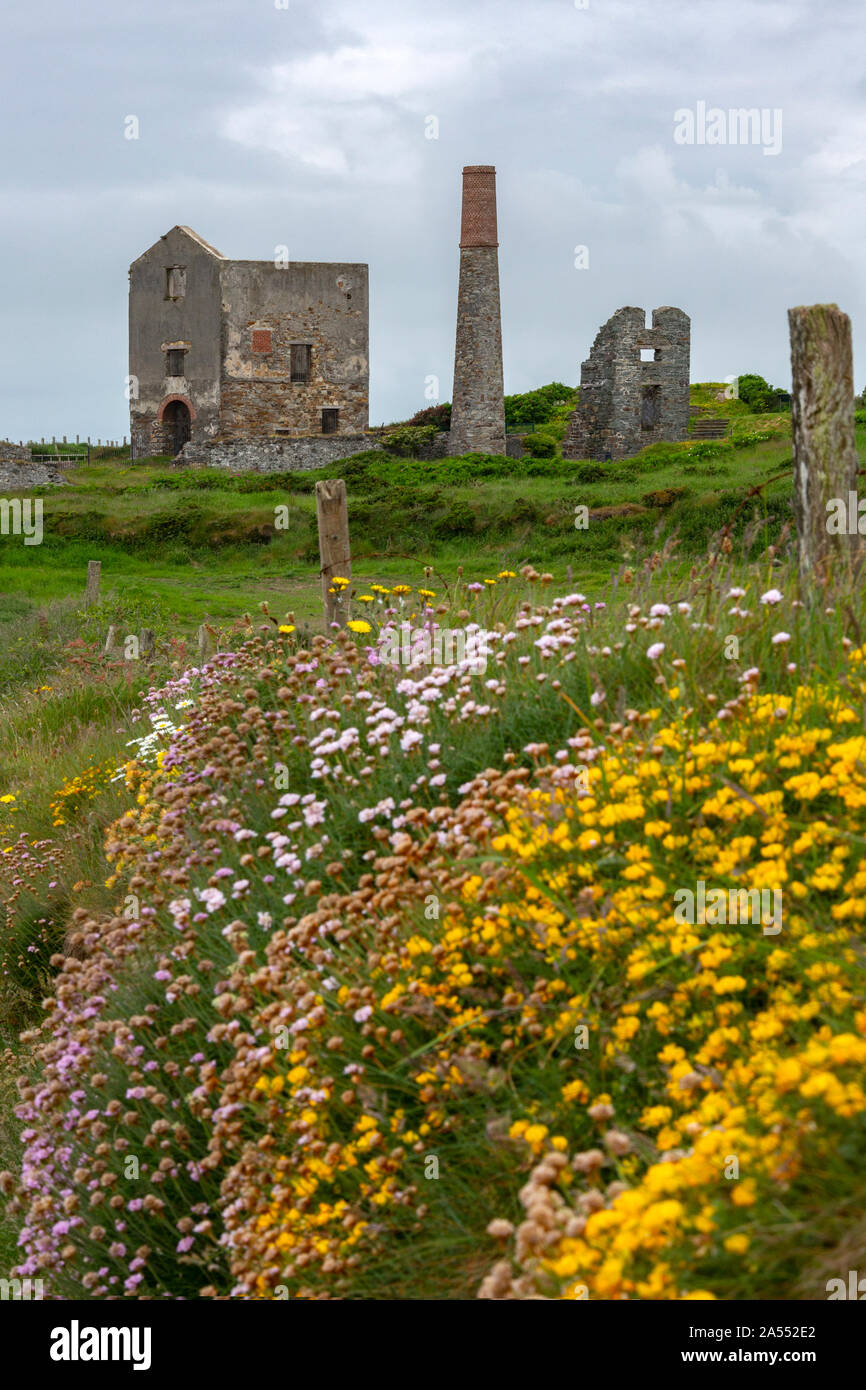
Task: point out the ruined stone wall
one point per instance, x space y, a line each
625 403
23 474
13 452
277 456
478 402
267 309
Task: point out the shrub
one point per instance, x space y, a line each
536 407
664 497
709 448
459 520
589 473
757 393
436 415
409 440
748 438
540 446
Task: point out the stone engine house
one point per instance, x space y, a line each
634 386
223 350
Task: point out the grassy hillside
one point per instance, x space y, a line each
203 545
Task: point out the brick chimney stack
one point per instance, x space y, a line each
478 403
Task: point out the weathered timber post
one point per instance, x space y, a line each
822 425
205 643
332 515
146 643
91 594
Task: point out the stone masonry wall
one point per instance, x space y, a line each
625 403
17 476
478 402
13 452
277 456
229 327
267 309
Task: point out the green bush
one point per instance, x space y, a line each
536 407
437 415
757 393
589 473
522 410
409 440
521 513
539 446
709 449
459 520
750 437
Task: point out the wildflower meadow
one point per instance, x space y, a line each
408 978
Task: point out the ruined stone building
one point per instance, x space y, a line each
634 386
223 351
478 400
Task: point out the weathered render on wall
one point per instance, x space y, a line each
478 399
191 322
223 350
626 403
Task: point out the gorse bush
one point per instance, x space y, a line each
396 992
409 441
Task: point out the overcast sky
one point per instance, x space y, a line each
307 126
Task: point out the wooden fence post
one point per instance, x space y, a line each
825 452
205 643
333 518
91 595
146 643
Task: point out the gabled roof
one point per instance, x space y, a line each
200 239
194 236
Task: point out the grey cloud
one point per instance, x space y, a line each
306 127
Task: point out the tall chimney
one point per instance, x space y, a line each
478 402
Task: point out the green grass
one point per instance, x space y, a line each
202 544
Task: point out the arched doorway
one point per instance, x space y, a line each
176 424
